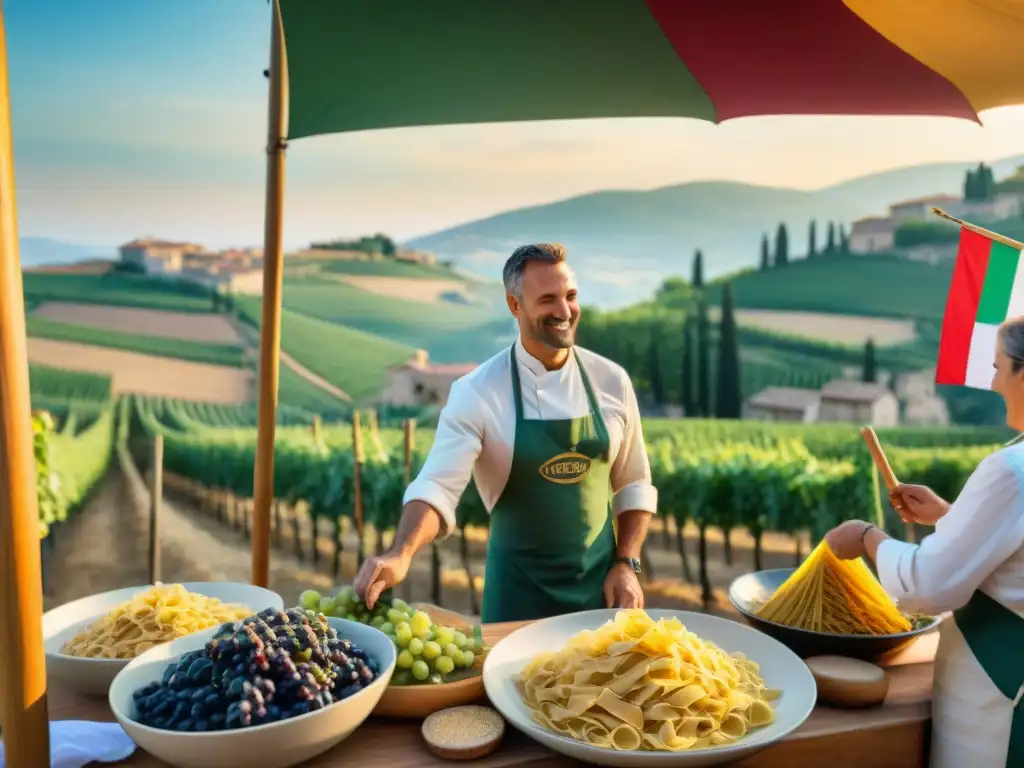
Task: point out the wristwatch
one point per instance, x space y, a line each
632 562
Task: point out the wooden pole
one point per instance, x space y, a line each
270 324
23 710
156 496
410 441
357 485
980 230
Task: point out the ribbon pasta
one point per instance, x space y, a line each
826 594
638 684
158 615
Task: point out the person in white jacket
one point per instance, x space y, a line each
972 565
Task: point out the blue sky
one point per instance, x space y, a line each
137 117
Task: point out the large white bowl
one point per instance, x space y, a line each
275 745
781 668
93 676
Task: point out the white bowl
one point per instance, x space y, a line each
275 745
780 667
93 676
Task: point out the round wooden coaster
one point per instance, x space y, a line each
463 733
847 682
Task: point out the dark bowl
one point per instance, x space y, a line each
748 593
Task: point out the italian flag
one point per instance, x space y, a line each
987 288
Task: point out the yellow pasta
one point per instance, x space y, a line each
640 684
827 594
158 615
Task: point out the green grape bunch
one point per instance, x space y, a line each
428 653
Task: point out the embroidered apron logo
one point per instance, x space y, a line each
566 468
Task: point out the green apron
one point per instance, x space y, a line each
995 635
551 542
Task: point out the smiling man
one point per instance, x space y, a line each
551 433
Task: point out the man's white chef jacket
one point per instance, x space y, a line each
476 431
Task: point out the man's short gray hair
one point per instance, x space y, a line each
1011 339
515 267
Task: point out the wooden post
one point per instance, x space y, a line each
357 485
23 710
270 324
156 496
410 442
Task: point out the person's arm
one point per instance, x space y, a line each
431 499
983 527
636 499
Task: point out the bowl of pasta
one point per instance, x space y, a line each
827 607
88 641
659 687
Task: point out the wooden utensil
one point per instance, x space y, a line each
847 682
878 455
463 733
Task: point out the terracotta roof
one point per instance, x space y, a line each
852 391
926 200
784 399
152 242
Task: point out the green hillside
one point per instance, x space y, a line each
117 289
449 332
351 360
878 285
624 242
161 346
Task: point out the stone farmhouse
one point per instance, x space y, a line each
839 401
234 271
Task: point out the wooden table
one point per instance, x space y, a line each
891 736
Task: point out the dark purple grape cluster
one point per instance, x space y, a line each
269 667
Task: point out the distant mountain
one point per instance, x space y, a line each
625 242
42 251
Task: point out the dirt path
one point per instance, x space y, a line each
105 547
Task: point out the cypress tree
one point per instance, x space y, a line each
728 396
844 241
781 246
657 383
812 241
766 255
830 240
697 280
703 359
869 371
686 385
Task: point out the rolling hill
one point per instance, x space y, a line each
624 242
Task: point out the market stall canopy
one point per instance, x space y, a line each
363 64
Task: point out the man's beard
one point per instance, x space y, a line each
550 331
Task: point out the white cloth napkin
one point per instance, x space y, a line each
75 743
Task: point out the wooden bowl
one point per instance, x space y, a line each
419 701
748 593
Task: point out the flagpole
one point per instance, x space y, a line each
980 230
23 706
270 324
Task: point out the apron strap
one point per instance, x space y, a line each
517 388
995 635
599 426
